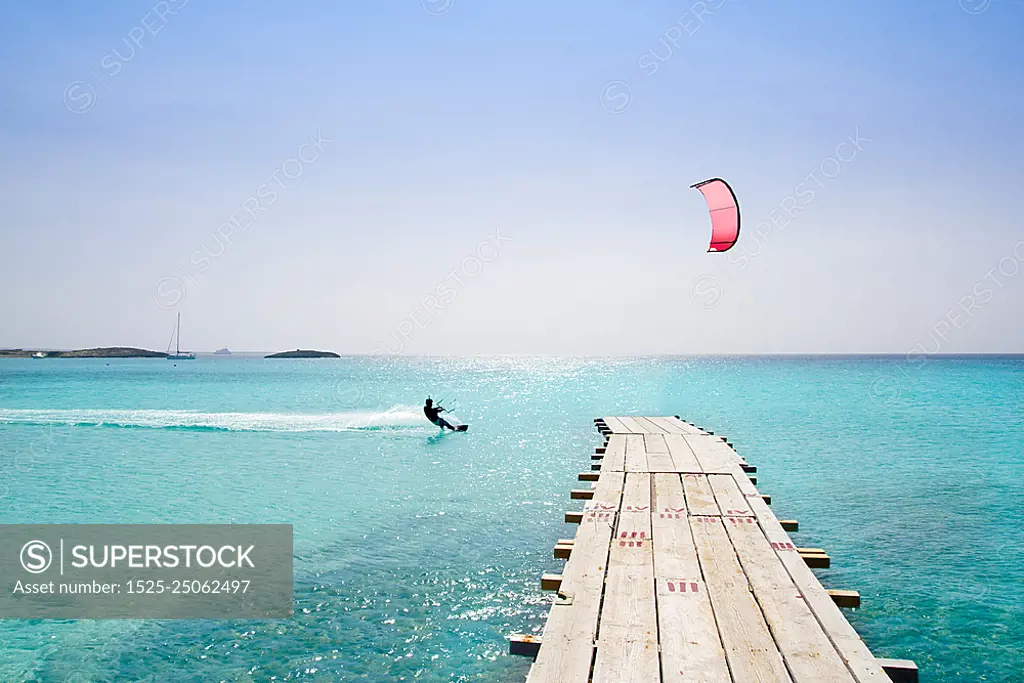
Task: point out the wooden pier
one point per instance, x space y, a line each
680 571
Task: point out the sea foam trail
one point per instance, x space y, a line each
394 418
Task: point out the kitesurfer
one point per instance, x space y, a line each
434 414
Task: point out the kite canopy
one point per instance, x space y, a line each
725 213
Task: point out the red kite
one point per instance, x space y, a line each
725 213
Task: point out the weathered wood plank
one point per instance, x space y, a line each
615 424
730 499
749 646
682 455
649 426
627 645
843 636
806 649
691 649
568 640
712 454
700 500
670 426
685 426
658 457
632 425
614 454
636 454
747 487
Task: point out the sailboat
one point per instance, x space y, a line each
176 338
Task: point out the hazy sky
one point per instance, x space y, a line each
512 177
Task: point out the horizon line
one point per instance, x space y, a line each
771 354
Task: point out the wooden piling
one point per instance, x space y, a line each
845 598
550 582
524 644
899 670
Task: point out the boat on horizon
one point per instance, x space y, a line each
222 352
176 338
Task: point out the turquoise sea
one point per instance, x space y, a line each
416 553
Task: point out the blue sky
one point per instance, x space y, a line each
441 122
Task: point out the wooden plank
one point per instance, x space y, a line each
843 636
636 455
730 499
712 454
746 486
749 647
649 426
682 455
627 645
616 425
658 457
691 649
568 641
806 649
700 500
668 425
685 426
615 454
632 425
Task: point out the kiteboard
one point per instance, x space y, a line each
454 422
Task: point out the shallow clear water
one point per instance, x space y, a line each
416 554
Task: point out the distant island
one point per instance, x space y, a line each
103 352
302 353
